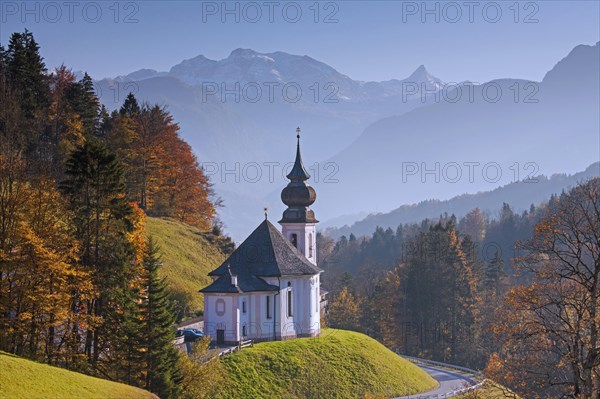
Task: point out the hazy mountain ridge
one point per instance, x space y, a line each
244 66
530 128
519 195
329 106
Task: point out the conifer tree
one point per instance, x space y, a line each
157 319
27 73
130 106
94 187
85 104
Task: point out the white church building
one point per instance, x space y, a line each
269 287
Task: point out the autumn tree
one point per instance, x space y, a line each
549 328
162 174
65 128
40 279
473 224
344 311
203 373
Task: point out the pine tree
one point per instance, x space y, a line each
85 104
130 106
493 273
102 218
27 73
157 319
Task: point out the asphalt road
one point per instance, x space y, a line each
449 381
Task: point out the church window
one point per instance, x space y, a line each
317 299
220 307
310 245
289 302
244 331
268 307
294 240
244 307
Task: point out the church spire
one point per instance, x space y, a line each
298 171
298 195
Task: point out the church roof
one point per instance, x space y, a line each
267 253
245 283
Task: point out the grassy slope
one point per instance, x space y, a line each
340 364
22 378
187 257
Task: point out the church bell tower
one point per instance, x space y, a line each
299 225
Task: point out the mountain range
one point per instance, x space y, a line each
494 134
361 141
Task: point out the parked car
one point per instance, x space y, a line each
189 333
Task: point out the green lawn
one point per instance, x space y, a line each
338 364
187 258
24 379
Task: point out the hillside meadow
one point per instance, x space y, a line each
25 379
342 363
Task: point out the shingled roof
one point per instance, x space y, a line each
245 283
267 253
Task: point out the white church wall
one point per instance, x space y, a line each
221 313
314 322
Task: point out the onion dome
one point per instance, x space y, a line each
298 195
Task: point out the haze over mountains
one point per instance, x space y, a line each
520 195
370 146
265 96
510 130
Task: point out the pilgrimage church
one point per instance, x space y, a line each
269 287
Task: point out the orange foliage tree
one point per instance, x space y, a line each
549 329
162 173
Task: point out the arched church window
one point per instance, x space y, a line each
294 240
289 302
310 245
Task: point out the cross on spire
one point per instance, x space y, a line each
298 172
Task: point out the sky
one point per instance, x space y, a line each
366 40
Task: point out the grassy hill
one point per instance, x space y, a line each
22 378
187 257
340 364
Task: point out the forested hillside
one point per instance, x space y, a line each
80 281
483 293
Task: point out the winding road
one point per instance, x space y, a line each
450 381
